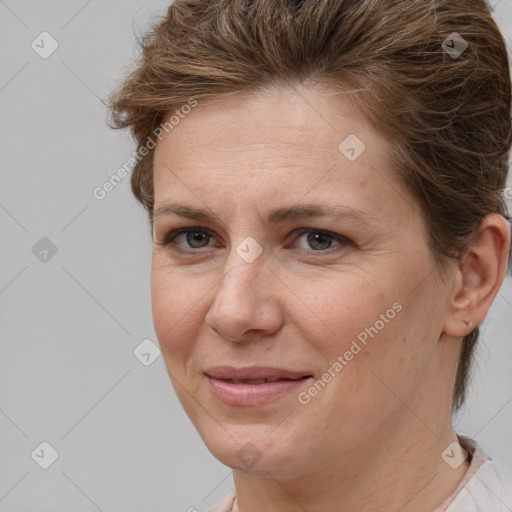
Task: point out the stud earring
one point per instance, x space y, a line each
468 323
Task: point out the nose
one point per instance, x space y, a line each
246 301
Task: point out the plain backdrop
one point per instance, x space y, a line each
74 287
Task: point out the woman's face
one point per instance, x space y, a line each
349 300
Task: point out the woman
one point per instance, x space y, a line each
324 182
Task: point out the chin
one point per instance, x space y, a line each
256 449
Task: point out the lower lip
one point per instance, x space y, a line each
253 394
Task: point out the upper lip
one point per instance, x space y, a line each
253 372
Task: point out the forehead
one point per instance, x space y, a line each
313 118
279 144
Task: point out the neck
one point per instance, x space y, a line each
402 470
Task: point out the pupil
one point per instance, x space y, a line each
316 239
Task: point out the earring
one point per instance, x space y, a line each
468 323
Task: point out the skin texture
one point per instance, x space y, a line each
372 438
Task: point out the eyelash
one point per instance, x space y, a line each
169 239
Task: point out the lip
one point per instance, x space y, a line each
241 394
253 372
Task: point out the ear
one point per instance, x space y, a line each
479 276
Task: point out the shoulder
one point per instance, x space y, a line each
490 488
225 504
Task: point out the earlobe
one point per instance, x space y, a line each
479 276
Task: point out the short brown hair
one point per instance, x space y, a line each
446 115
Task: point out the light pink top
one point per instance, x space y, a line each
486 487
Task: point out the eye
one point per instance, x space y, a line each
193 238
319 240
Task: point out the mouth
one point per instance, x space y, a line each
253 385
262 381
255 373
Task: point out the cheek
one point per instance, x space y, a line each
340 308
177 312
177 320
365 325
385 343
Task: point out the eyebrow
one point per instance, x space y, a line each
274 216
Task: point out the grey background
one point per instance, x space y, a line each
70 324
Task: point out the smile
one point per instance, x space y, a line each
243 392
